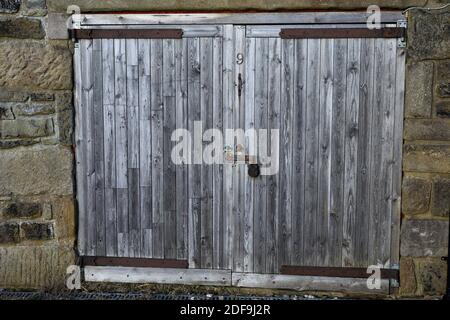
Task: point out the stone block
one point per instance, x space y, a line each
419 89
427 129
6 112
34 65
432 276
37 230
443 109
38 267
12 96
22 210
416 195
9 233
33 109
424 238
65 121
57 26
408 282
426 157
441 197
9 6
42 96
428 35
9 144
22 28
26 128
33 171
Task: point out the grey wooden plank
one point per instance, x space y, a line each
387 157
169 192
133 143
217 186
122 224
238 177
194 110
312 149
305 283
134 206
145 149
325 133
120 113
397 165
250 145
351 149
298 151
158 275
286 163
364 145
261 122
156 58
98 140
376 155
79 149
233 18
228 123
206 106
182 196
337 152
88 138
109 146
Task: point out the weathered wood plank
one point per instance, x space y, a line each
87 104
261 124
238 177
250 147
98 141
364 145
145 149
156 58
194 110
169 192
397 165
241 18
217 186
387 142
228 123
133 141
376 166
337 152
351 149
79 149
312 149
325 133
285 173
158 275
206 109
182 196
305 283
298 151
121 146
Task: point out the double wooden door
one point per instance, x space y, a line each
335 103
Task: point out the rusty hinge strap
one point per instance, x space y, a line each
303 33
133 262
126 33
344 272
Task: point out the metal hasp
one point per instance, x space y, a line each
126 33
401 42
337 272
334 33
133 262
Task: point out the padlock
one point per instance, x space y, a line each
253 170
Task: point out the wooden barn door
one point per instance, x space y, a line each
131 94
338 106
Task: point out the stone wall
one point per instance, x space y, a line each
426 159
37 216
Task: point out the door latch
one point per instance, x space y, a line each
240 85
